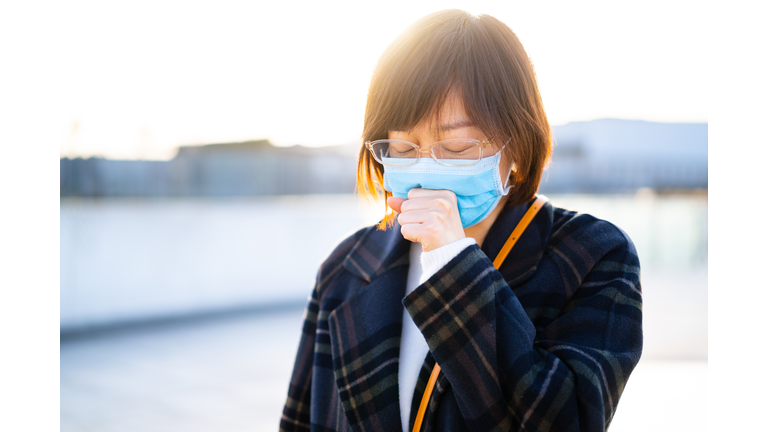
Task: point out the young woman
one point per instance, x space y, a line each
540 337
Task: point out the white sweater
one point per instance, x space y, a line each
413 346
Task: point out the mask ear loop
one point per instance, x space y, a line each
507 186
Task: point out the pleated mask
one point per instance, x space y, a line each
477 187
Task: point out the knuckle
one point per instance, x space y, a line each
444 203
449 196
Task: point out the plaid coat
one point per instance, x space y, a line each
546 343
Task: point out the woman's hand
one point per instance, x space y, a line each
430 217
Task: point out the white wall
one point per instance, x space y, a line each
125 260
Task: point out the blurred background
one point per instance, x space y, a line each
207 167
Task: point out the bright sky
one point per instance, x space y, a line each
136 79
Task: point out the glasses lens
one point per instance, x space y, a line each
395 152
457 152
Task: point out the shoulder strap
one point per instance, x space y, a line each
516 233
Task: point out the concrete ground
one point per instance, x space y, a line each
231 374
224 374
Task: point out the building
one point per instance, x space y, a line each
599 156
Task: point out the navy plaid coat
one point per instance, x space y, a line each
545 343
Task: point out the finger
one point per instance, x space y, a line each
443 203
417 204
419 192
395 203
412 232
422 233
434 193
414 217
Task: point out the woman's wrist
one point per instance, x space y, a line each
434 260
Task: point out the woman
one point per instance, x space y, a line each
457 138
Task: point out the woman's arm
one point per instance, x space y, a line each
505 376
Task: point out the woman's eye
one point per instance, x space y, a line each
400 151
457 149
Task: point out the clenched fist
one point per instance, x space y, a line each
430 217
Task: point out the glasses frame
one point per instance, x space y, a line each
483 144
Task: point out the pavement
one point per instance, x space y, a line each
223 374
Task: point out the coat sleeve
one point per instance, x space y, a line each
505 374
296 416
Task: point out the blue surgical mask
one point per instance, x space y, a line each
477 187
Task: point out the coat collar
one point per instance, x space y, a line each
365 328
378 251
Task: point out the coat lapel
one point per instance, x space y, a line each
376 252
365 332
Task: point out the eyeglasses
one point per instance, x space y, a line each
452 152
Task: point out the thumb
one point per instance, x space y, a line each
394 203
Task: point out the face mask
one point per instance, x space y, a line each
477 187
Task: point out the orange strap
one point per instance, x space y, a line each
516 233
425 398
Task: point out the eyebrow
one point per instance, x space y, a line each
447 126
456 125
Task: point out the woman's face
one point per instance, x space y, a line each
454 123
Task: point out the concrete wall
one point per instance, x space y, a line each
126 260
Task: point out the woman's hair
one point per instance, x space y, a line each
477 58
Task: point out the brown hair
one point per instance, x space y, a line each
480 59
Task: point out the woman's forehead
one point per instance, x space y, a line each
441 126
439 132
449 118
